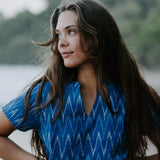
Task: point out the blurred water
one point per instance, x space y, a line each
14 79
153 78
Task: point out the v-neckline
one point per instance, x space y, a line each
93 106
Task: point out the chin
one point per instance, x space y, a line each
69 65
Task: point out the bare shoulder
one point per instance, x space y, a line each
6 127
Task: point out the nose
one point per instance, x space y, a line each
63 41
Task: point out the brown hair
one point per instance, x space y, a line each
112 61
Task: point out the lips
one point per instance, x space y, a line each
66 54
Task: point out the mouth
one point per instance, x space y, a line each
66 54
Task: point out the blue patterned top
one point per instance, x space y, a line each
74 135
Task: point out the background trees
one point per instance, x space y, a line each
138 21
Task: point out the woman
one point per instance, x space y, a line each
92 102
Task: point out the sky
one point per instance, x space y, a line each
9 8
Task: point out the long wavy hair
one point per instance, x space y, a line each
113 61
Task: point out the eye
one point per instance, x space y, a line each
58 36
71 32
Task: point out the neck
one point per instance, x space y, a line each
87 77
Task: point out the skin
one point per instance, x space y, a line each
8 149
70 48
69 40
74 55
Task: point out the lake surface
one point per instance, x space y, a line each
15 78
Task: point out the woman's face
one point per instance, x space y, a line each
69 46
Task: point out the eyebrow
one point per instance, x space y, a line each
67 27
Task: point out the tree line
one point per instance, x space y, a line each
138 21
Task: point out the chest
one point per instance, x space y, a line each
75 132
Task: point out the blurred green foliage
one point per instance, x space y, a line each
138 21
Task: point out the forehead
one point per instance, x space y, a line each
65 19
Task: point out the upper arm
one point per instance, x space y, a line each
12 114
6 127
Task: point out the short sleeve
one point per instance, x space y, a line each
15 110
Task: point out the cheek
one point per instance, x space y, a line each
78 45
84 44
58 46
75 43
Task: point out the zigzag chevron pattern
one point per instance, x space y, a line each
74 135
